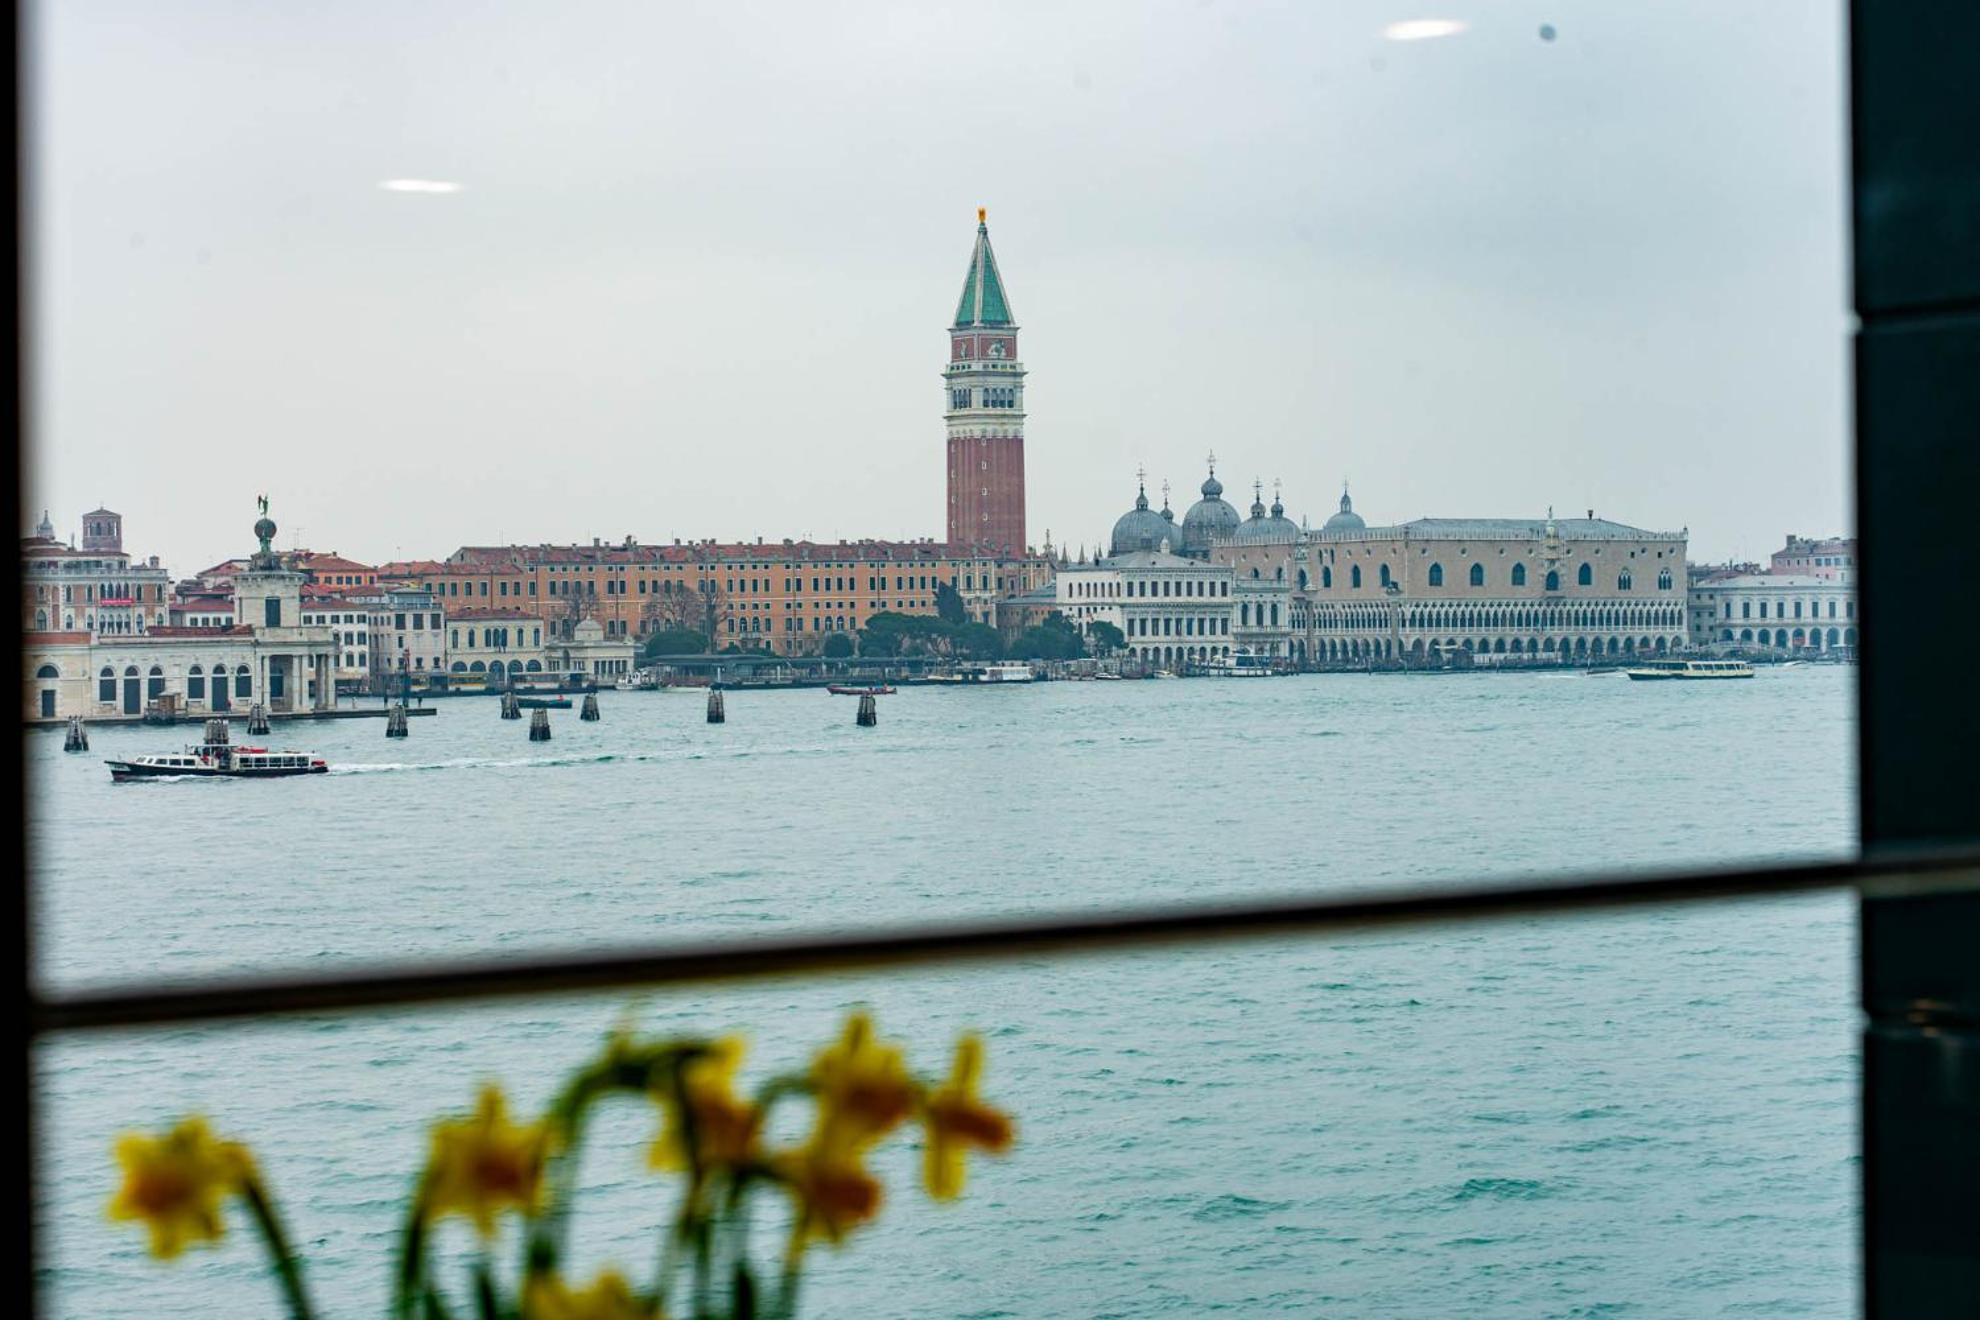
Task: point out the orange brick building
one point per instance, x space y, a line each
787 596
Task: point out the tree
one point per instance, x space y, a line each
1106 637
978 641
673 641
949 604
1054 639
838 646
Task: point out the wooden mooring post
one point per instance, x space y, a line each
77 738
396 722
716 715
539 725
589 711
216 732
258 719
869 711
511 709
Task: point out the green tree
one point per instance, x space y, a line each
838 646
978 641
1054 639
1106 637
949 604
673 641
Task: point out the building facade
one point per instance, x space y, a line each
268 656
1172 610
408 634
507 641
1775 611
786 597
1832 559
95 587
984 390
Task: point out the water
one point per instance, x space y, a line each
1642 1114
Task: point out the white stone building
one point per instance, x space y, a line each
1778 611
268 656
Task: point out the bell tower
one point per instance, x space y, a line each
984 384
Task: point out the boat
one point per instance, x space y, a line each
1663 670
1004 671
216 758
843 690
543 703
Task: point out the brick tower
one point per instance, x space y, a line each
985 383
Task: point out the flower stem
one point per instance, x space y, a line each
288 1271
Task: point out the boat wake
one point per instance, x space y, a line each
497 763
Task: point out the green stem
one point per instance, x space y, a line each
412 1257
288 1271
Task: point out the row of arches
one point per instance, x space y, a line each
132 688
1804 638
1346 649
496 667
1496 616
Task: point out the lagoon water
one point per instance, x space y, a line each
1649 1113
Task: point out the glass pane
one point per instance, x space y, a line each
653 825
1509 1120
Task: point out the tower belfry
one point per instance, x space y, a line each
984 381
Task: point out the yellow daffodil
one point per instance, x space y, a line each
175 1184
724 1125
832 1194
609 1297
486 1164
863 1088
957 1120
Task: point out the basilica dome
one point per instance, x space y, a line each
1141 528
1347 520
1262 527
1210 518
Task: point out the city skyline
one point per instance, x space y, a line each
1420 266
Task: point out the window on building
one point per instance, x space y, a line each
1477 575
1436 574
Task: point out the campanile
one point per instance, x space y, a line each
985 389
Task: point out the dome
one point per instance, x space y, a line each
1209 518
264 528
1141 528
1260 527
1347 520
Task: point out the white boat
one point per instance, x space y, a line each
1660 670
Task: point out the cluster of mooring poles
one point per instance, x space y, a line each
867 717
77 739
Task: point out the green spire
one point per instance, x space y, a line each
983 301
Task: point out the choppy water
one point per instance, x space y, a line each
1645 1114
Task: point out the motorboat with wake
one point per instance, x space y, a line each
215 757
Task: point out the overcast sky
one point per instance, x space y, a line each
697 273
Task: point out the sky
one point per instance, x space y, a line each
695 269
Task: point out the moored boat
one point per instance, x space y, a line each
844 690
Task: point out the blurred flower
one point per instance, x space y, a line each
175 1184
609 1297
723 1125
957 1120
863 1089
485 1164
833 1194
